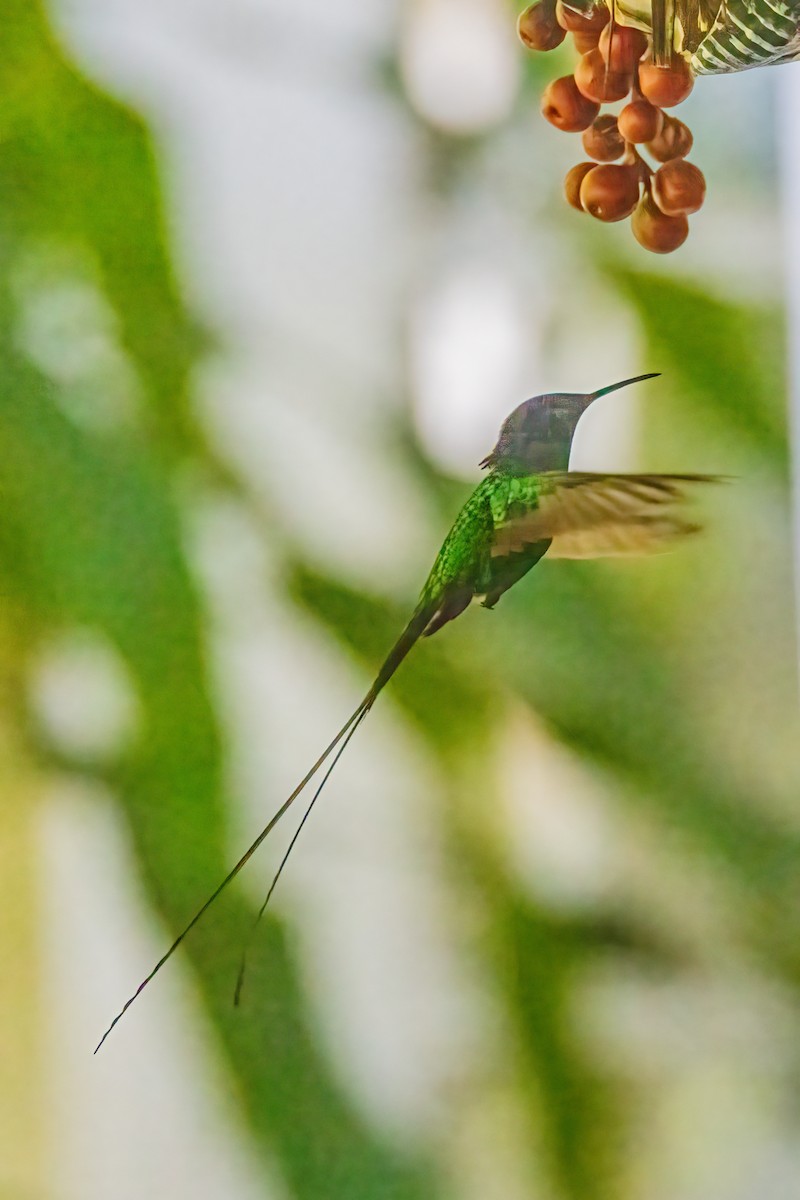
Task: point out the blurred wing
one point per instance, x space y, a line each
594 516
642 536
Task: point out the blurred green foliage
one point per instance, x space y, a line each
91 536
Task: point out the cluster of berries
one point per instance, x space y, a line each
616 63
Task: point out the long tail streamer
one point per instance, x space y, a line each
345 732
237 995
419 620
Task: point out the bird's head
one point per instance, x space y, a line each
538 434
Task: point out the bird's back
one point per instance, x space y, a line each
466 552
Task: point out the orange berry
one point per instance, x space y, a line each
579 22
572 183
602 140
610 192
566 108
655 231
674 141
584 42
622 48
640 121
538 28
679 188
665 86
596 82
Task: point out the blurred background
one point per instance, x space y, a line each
271 277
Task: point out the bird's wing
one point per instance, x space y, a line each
592 516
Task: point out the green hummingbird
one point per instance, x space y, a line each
528 505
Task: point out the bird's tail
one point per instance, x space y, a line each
410 635
401 648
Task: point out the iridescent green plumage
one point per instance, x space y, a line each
528 505
465 557
466 565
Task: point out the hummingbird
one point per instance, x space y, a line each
527 506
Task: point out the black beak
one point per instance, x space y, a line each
614 387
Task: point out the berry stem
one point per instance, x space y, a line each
632 158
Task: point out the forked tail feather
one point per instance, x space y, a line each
401 648
237 992
412 632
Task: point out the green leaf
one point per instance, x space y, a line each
725 360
